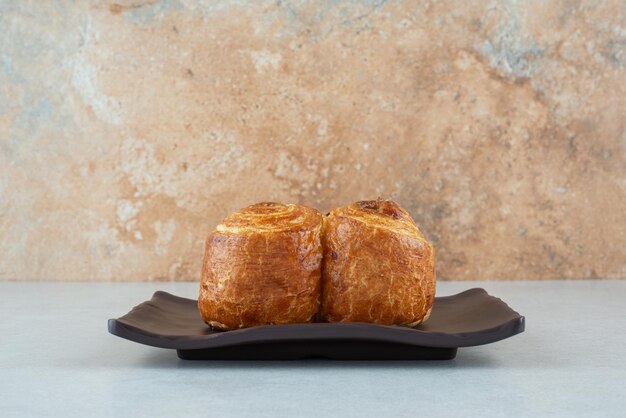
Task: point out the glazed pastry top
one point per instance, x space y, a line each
385 214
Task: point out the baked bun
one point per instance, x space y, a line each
377 266
262 266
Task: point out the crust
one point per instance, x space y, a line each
377 266
262 265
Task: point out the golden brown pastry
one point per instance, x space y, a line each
262 266
377 266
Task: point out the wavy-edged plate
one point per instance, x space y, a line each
470 318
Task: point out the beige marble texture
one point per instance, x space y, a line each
129 129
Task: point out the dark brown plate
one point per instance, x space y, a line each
467 319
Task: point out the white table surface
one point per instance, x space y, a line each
57 359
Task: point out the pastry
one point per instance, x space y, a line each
262 266
377 266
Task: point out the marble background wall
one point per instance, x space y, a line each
129 129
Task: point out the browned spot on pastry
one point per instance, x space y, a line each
384 207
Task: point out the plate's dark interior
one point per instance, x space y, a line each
469 318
